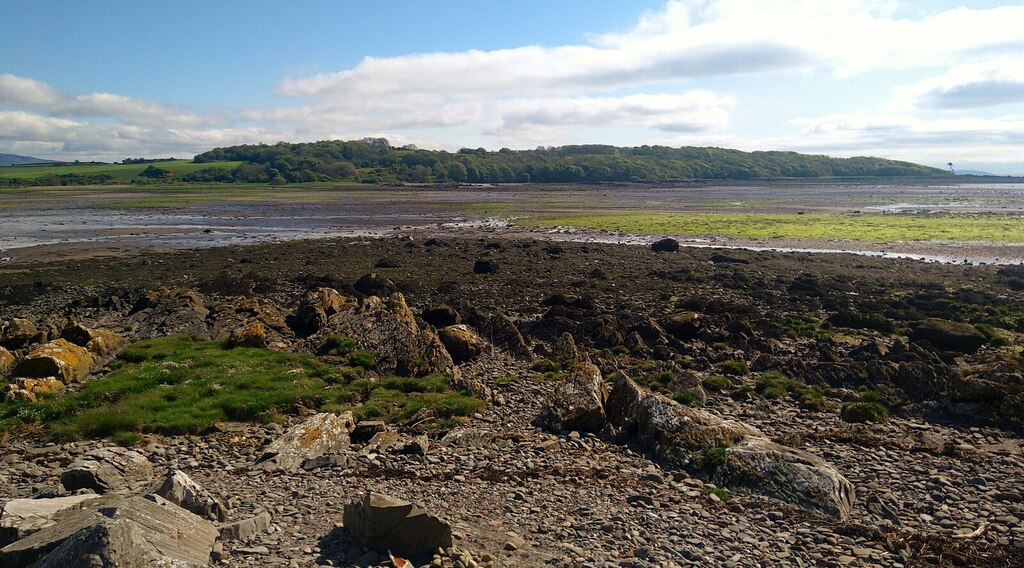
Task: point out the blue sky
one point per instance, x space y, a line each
929 82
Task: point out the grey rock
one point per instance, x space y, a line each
107 469
384 523
22 517
245 529
110 543
181 490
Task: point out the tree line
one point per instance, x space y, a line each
374 160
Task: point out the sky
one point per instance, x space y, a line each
931 82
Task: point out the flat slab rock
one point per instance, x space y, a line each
316 436
383 523
147 527
22 517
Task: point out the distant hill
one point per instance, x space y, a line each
14 159
973 173
374 160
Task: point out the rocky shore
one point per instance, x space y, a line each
638 408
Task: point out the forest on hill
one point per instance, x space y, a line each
374 160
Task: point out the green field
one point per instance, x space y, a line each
124 173
860 227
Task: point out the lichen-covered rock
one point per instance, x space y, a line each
388 524
317 307
107 469
29 390
253 334
98 341
578 402
317 435
788 474
58 358
373 284
6 361
17 333
180 489
462 343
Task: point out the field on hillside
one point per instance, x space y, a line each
120 172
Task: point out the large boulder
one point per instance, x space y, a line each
693 438
252 334
389 329
135 531
245 529
502 332
462 343
29 390
59 358
578 403
949 335
107 469
788 474
17 333
388 524
98 341
180 489
6 361
317 435
22 517
317 307
374 284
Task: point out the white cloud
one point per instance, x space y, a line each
31 94
997 82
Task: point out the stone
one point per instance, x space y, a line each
578 403
317 435
107 469
101 342
416 446
107 543
245 529
441 315
665 245
18 333
380 442
949 335
6 360
317 307
28 390
462 343
169 312
180 489
58 358
22 517
683 326
383 523
502 332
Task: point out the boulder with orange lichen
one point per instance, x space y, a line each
59 358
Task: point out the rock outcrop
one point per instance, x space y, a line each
665 245
6 361
17 333
317 435
317 307
100 342
949 335
388 524
22 517
29 390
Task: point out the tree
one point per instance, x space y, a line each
457 172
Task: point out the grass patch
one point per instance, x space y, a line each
686 398
123 173
181 385
722 494
774 385
545 366
812 399
732 368
718 383
870 408
961 227
991 334
505 381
